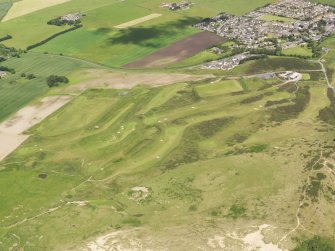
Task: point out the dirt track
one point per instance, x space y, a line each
121 80
178 51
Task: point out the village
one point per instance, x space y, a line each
286 24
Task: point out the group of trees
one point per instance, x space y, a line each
7 52
55 80
315 47
4 68
5 38
53 36
28 76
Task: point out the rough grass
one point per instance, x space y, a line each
274 64
316 243
287 112
327 114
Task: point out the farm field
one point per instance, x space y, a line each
127 167
99 35
178 51
21 8
17 91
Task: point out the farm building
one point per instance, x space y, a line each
73 17
3 74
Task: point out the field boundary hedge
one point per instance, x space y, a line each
53 36
7 37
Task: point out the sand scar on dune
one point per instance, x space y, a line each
12 131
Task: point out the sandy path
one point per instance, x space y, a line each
27 6
12 130
138 21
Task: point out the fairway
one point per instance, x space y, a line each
137 21
25 7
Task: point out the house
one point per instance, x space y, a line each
73 17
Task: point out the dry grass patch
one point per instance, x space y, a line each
27 6
138 21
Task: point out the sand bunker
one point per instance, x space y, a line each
12 130
137 21
139 193
27 6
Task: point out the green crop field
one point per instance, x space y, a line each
16 91
116 48
16 95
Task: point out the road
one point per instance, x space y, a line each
325 71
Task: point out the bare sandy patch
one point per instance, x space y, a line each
137 21
139 193
106 79
28 6
12 130
255 240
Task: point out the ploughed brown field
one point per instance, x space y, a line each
178 51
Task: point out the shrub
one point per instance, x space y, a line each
316 244
55 80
